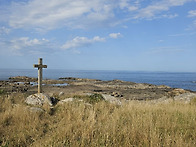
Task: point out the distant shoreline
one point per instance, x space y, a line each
184 80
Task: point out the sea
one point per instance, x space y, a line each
185 80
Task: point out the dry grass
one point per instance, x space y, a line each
103 124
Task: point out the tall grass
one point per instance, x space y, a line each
102 124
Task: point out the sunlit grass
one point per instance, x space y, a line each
102 124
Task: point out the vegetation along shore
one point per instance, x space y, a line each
89 112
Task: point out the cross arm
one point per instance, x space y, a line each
39 66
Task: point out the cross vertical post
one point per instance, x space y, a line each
39 66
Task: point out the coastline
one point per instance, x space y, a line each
81 86
184 80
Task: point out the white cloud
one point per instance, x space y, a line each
161 41
151 11
192 27
4 30
125 4
26 42
169 16
25 45
192 13
115 35
78 42
194 23
46 14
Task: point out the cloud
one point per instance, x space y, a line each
192 27
192 13
169 16
115 35
125 4
161 41
52 14
25 46
4 30
28 46
79 42
44 15
153 10
194 23
23 42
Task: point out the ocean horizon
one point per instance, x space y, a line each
185 80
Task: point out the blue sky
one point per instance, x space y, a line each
135 35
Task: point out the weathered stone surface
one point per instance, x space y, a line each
163 100
66 100
111 99
116 94
23 78
186 97
177 91
61 93
39 99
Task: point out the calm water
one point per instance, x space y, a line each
176 80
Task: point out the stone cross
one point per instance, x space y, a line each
39 66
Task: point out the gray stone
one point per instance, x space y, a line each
66 100
61 93
186 97
111 99
39 99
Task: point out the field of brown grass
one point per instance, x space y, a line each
102 124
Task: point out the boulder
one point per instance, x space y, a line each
39 99
66 100
111 99
177 92
61 93
116 94
185 97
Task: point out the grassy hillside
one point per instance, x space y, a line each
102 124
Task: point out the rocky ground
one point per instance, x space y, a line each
69 86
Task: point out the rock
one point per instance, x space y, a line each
98 90
111 99
66 100
116 94
87 104
23 78
39 99
163 100
186 97
61 93
89 94
177 92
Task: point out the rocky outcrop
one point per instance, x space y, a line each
40 99
177 91
111 99
66 100
23 78
185 97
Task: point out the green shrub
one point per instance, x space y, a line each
2 91
92 99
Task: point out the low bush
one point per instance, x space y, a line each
92 99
